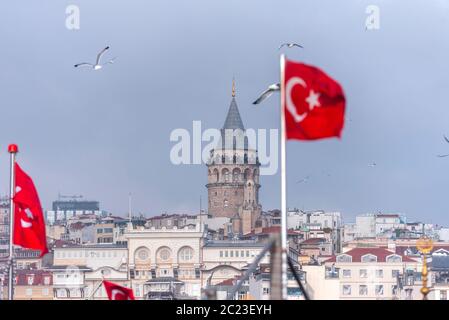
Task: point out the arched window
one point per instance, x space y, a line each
369 258
236 175
225 203
226 175
394 258
142 255
164 254
216 174
247 174
185 254
344 258
256 175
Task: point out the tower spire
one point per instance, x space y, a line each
233 87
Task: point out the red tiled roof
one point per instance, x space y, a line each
380 253
227 282
313 241
387 215
400 249
63 243
37 276
271 230
77 226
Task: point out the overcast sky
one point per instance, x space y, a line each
105 134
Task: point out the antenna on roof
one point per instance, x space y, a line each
129 208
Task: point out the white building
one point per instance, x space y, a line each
223 260
78 270
297 218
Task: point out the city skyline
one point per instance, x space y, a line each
106 134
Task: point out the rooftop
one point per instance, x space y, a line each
380 253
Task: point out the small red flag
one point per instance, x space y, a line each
29 224
314 103
116 292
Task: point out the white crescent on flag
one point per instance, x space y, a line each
25 224
116 292
290 105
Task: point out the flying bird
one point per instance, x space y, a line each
372 164
97 65
267 93
290 45
444 155
303 180
445 138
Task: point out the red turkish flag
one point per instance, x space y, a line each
116 292
29 225
314 103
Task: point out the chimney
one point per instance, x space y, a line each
392 246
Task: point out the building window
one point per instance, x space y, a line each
346 290
237 253
221 254
143 254
164 254
443 295
394 258
394 290
363 290
394 273
346 273
379 290
344 258
29 291
186 254
379 273
266 291
369 258
242 253
226 253
232 253
247 253
363 273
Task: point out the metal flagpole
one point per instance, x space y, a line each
284 243
12 149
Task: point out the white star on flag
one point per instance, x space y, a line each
312 100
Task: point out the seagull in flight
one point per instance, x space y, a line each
97 65
290 45
444 155
303 180
372 164
272 88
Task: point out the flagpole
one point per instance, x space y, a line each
284 243
12 149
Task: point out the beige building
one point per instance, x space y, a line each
33 285
161 257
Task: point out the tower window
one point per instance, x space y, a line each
225 203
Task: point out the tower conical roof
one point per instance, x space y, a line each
233 119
